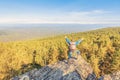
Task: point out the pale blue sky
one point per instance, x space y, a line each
60 11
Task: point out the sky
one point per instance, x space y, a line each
60 11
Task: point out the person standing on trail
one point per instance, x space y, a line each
72 46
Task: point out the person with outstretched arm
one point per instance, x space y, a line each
72 46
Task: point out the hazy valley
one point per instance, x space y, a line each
31 31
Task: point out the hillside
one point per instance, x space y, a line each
101 48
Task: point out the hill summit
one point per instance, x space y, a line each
74 69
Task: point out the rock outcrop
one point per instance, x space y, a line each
114 76
74 69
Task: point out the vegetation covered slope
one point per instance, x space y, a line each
101 48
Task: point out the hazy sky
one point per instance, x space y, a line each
60 11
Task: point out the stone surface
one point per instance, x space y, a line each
73 69
114 76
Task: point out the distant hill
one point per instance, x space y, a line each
100 48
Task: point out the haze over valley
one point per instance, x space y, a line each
31 31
